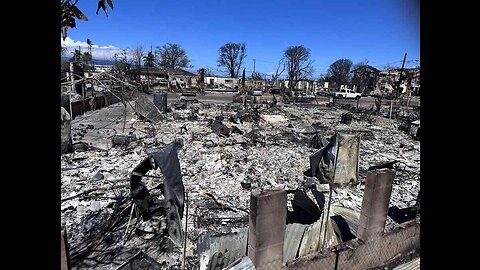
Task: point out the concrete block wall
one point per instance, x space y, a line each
100 102
381 250
355 255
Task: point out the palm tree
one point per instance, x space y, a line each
149 61
77 56
70 13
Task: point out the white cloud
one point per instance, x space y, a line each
99 52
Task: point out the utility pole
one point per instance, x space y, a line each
253 68
400 78
265 79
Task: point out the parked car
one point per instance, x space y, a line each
255 92
347 93
323 92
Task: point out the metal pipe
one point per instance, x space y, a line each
185 235
391 105
83 97
327 217
70 104
124 110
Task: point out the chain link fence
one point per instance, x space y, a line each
386 252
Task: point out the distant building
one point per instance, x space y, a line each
176 78
257 84
304 86
182 78
414 83
388 79
102 68
320 85
215 82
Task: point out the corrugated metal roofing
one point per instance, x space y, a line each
243 263
311 239
351 216
217 252
293 237
307 239
330 238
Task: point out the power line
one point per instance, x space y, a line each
409 61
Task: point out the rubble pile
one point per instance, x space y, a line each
227 152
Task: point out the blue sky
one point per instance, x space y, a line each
378 30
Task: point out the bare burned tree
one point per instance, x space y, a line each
299 65
172 56
364 62
209 72
231 56
122 65
279 69
137 54
256 76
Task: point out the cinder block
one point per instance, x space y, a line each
376 198
384 179
383 192
267 258
371 222
368 193
269 201
379 178
267 222
266 238
266 230
368 235
417 230
375 208
410 232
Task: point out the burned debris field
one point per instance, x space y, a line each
211 136
144 188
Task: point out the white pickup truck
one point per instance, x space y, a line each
347 93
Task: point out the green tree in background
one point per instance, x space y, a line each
172 56
339 72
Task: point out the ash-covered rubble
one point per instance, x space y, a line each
227 152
